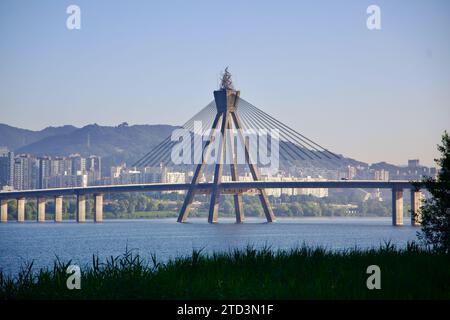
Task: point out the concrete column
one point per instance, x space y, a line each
21 210
416 201
58 208
98 207
4 210
81 208
41 209
397 207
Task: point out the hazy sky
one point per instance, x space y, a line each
370 95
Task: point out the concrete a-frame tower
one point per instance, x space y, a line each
226 103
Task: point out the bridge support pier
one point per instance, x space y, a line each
4 210
98 207
81 208
58 208
238 204
397 206
416 201
21 210
41 209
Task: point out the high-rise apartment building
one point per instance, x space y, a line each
78 163
44 172
6 168
24 172
94 169
414 163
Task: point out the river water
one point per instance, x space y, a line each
43 242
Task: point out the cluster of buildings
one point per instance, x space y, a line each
25 171
282 177
123 175
385 172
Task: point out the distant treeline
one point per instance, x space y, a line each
158 205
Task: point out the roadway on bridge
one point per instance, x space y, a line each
239 185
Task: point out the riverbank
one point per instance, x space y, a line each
302 273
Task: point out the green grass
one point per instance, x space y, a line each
302 273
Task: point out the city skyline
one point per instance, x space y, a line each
28 171
371 95
402 163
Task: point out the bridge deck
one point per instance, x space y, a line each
149 187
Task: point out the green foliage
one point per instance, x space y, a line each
12 208
157 205
372 206
301 273
435 210
228 206
296 209
30 210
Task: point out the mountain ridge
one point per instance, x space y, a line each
115 144
122 143
14 137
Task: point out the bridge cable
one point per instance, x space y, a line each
300 136
164 153
155 151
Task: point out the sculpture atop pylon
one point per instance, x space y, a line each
226 82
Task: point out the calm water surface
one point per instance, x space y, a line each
166 238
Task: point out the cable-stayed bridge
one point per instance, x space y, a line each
238 134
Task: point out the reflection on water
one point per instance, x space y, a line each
166 238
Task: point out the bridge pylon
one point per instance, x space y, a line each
225 119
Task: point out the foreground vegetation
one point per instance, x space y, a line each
435 210
303 273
